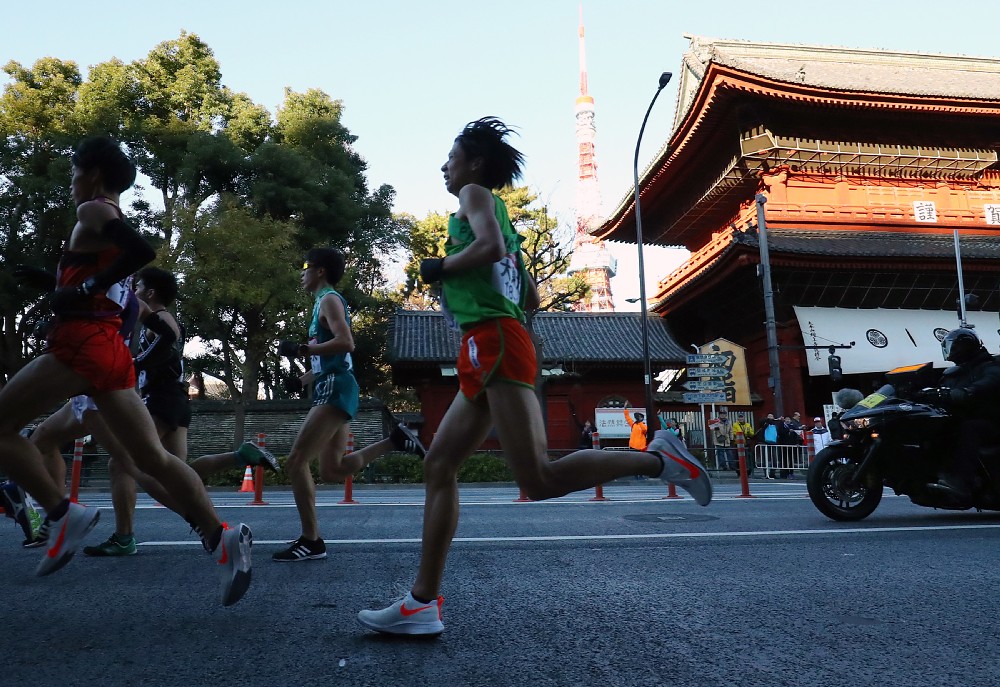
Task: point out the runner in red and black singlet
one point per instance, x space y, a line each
86 336
86 355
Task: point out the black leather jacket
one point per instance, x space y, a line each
975 387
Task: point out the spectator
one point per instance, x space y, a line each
741 426
835 427
637 440
775 433
821 435
723 438
670 424
587 435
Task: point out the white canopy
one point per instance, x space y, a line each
885 339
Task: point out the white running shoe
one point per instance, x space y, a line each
64 536
680 467
233 556
406 617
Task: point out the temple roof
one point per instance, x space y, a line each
844 69
418 336
861 249
876 244
745 108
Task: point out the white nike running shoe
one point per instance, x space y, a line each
680 467
406 617
233 556
65 535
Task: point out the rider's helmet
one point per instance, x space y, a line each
961 345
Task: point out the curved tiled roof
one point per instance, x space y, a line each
854 69
835 246
424 336
877 244
716 74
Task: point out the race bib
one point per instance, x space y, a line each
507 278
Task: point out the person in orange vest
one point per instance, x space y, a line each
637 440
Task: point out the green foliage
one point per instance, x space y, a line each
235 197
392 468
485 467
241 282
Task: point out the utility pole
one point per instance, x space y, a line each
769 324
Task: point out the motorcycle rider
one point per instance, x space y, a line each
970 390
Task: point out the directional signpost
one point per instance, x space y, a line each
703 358
704 397
710 388
705 385
718 372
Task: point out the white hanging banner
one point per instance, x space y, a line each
884 338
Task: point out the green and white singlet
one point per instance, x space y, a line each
490 291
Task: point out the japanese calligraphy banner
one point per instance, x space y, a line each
885 338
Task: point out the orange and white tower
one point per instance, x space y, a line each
590 258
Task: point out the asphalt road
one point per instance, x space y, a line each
638 590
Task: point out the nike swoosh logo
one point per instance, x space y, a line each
57 547
407 612
690 467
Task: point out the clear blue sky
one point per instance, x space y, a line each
412 73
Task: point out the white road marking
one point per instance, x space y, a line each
627 537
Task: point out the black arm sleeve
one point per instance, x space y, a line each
136 252
161 348
160 327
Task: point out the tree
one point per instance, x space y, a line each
240 285
222 176
38 124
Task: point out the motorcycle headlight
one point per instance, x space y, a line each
858 423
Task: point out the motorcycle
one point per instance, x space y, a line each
897 443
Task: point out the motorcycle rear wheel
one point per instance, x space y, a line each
833 490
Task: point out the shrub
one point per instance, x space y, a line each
485 467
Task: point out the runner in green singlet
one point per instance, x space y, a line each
486 291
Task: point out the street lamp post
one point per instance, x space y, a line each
652 421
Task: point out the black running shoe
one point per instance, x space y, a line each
16 506
405 439
301 549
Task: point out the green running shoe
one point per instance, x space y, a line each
114 546
254 455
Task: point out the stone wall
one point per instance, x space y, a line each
212 425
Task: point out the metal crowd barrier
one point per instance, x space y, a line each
781 459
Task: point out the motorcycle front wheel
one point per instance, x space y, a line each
834 490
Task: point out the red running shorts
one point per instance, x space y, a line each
495 351
94 350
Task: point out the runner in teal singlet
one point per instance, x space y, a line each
335 401
486 290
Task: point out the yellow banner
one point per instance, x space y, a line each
737 386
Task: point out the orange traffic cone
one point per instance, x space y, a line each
247 480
